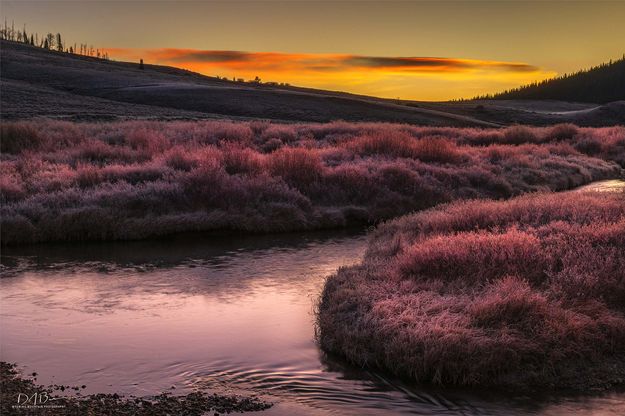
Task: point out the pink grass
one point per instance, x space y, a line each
524 294
62 181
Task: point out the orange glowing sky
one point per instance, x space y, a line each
426 50
372 75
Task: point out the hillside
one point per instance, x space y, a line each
38 82
35 82
601 84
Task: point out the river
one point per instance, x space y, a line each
225 314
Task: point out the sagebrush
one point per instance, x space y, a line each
138 179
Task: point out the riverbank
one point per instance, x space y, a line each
21 395
66 181
524 295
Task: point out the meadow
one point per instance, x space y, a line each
526 294
63 181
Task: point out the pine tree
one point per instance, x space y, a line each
59 42
50 39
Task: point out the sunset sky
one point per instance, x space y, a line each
412 50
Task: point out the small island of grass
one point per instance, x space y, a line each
524 294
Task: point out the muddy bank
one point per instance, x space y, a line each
22 395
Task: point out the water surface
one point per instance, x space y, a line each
227 314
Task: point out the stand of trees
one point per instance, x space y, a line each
49 41
600 84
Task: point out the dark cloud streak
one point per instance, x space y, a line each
330 62
386 62
207 56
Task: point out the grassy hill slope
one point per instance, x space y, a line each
38 82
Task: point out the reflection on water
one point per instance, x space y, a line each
231 314
611 185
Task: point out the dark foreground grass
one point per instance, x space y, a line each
14 385
130 180
524 294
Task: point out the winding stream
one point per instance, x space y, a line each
229 314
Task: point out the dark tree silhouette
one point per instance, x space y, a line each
141 64
50 39
59 43
600 84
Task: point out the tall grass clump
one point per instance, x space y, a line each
524 294
17 137
138 179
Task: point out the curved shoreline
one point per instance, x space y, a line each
20 393
486 294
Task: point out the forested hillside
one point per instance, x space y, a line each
600 84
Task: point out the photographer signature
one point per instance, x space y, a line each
36 401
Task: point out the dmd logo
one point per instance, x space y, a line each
35 401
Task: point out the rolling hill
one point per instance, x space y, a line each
36 82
